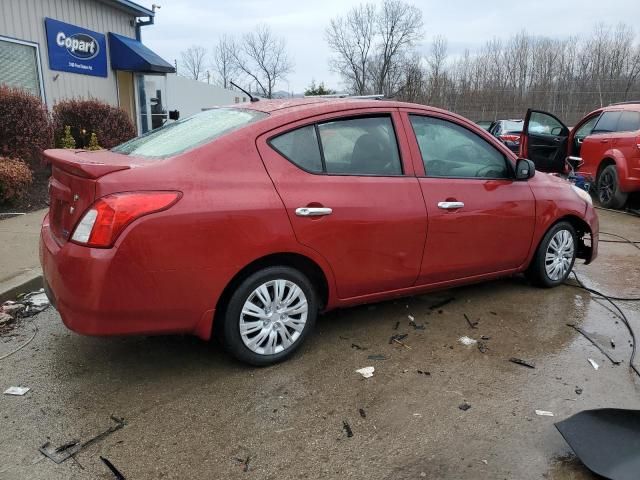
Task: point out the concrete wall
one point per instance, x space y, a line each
190 96
24 20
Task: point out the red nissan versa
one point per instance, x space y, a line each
245 222
604 145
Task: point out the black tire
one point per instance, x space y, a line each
537 271
233 316
608 189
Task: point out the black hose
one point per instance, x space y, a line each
621 315
631 242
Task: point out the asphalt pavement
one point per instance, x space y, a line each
193 412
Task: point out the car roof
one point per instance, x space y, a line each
312 106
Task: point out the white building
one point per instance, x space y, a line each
60 49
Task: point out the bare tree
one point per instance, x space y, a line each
263 58
193 61
351 39
224 65
398 26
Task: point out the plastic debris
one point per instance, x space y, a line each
482 346
377 356
362 413
464 406
606 441
522 362
471 324
544 413
467 340
347 428
411 319
397 337
16 391
357 347
593 363
424 372
578 391
366 372
441 304
116 473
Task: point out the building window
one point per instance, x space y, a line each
20 65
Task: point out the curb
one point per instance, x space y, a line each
23 283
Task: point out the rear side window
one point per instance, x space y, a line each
608 122
353 146
300 146
178 137
629 122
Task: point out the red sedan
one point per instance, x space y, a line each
246 222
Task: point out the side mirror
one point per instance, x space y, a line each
525 169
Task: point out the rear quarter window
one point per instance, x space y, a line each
629 122
178 137
607 123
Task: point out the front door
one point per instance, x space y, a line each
481 220
350 193
544 141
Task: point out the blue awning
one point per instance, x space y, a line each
131 55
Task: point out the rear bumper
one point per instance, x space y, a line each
101 292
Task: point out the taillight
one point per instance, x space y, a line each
510 138
108 216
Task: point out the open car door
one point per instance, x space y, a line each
544 141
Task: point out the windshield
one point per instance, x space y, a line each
511 126
177 137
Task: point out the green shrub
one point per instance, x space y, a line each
25 126
93 143
111 124
15 179
67 140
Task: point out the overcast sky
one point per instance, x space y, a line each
465 23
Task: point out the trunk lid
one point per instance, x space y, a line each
72 186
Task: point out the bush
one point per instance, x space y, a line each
67 140
25 127
111 124
15 179
93 143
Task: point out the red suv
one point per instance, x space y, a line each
604 146
245 222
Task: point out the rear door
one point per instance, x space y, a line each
348 186
628 134
602 138
481 220
544 141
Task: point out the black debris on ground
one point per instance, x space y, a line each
441 304
482 346
398 337
347 428
485 337
357 347
244 462
464 406
471 324
522 362
116 473
397 325
415 326
493 313
377 356
424 372
363 414
578 391
594 343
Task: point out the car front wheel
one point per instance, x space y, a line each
269 315
608 186
555 256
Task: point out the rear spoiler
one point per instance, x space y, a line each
87 164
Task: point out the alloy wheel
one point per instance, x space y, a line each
559 255
606 187
273 317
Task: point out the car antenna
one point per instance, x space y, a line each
251 97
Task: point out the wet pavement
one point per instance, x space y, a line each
192 412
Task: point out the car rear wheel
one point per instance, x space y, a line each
608 186
269 315
555 256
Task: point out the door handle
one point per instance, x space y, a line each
450 205
313 211
604 140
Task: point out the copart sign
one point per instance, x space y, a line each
75 49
